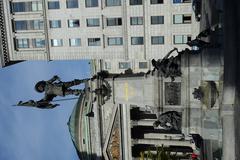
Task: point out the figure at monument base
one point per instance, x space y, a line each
170 120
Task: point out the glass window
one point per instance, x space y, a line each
56 42
26 6
143 65
157 19
75 42
93 22
177 19
91 3
156 1
113 41
23 43
137 40
36 24
73 23
136 20
53 5
94 42
114 21
38 43
182 19
55 23
181 1
72 3
107 65
157 39
36 6
113 2
21 25
135 2
18 7
124 65
181 39
29 25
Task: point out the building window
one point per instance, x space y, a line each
137 40
156 1
36 24
26 6
136 20
38 43
107 65
157 19
23 43
114 21
182 19
55 23
124 65
73 23
181 1
56 42
21 25
94 42
135 2
72 3
157 40
29 25
181 39
36 6
113 2
114 41
19 7
91 3
53 5
93 22
143 65
75 42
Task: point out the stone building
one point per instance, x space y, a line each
118 123
94 29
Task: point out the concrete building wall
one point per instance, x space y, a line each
125 51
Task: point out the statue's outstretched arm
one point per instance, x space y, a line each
169 53
30 103
53 79
44 104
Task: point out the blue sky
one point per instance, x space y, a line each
31 133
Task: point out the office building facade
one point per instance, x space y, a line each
95 29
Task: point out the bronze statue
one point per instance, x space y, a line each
170 120
168 66
52 88
38 104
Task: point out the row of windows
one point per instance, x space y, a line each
94 3
95 22
111 41
30 43
28 25
37 6
126 65
115 41
26 6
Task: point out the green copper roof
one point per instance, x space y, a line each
74 125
